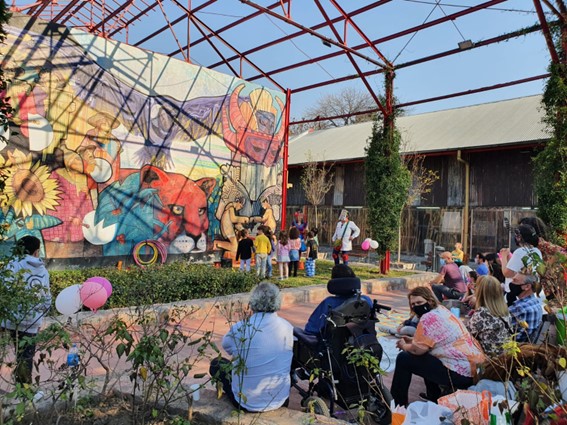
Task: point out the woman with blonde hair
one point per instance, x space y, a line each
490 323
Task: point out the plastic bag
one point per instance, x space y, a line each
421 412
469 405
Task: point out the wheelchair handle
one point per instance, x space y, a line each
377 307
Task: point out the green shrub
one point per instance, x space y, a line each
159 284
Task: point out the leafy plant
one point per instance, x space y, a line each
387 184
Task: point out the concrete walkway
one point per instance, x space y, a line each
298 303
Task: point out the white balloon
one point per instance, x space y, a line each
368 239
373 244
69 300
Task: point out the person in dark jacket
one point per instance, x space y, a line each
244 250
316 323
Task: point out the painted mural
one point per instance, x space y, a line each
111 145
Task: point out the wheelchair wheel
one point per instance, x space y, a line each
378 407
316 405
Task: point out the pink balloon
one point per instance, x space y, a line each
93 295
104 282
365 245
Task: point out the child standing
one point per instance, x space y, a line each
262 246
294 246
283 255
312 251
273 242
244 250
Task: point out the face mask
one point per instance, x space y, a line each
515 290
420 310
442 261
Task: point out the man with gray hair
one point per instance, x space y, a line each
261 348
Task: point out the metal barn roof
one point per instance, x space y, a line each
515 121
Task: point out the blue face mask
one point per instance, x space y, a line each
442 261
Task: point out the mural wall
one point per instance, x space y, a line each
112 145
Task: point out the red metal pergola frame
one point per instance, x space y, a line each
110 18
113 19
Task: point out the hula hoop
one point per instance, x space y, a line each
158 249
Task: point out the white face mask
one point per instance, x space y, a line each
442 261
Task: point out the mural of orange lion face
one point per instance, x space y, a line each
183 208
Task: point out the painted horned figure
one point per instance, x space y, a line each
254 123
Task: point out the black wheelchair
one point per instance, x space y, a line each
340 364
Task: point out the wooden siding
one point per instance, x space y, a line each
502 178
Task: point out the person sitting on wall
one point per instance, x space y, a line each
449 282
341 274
261 348
458 254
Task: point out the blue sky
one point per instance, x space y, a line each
515 59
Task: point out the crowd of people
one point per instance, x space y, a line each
503 296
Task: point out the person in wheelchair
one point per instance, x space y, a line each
343 285
341 324
258 378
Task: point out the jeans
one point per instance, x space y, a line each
261 260
432 371
442 290
269 267
245 264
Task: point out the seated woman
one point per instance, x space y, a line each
490 323
341 275
261 348
442 351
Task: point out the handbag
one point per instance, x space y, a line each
337 244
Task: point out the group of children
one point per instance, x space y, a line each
287 248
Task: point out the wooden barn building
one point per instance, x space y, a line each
490 146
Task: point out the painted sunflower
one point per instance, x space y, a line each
28 186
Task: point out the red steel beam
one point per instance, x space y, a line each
361 33
473 91
546 32
65 10
135 18
114 13
435 56
351 59
174 22
309 31
299 33
196 20
36 10
387 38
215 48
285 158
430 99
